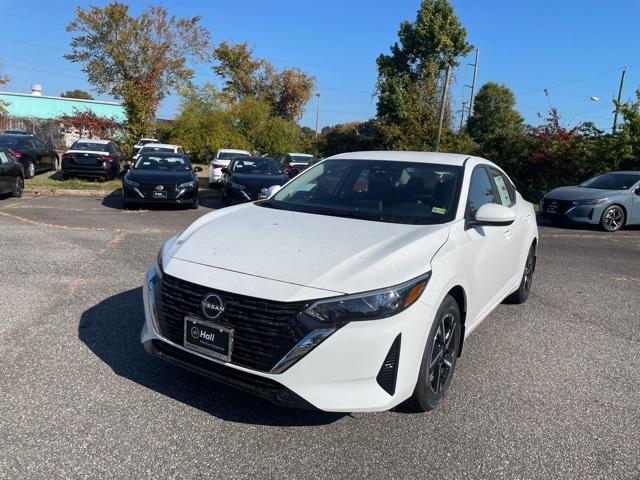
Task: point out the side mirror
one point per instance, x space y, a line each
493 215
197 169
638 190
272 190
126 167
225 170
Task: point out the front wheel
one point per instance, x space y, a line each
18 188
612 219
439 358
522 294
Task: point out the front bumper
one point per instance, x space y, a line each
339 375
136 195
580 214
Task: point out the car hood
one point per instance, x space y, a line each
142 176
259 181
341 255
579 193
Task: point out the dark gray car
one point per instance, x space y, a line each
611 200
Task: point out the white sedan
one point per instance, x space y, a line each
350 289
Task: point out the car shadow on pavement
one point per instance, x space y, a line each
206 199
111 329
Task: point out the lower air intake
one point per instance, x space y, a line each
389 371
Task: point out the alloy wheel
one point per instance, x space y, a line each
32 170
528 271
19 186
443 352
613 219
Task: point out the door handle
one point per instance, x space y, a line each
528 218
507 233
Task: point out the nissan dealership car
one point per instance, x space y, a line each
351 288
221 160
611 200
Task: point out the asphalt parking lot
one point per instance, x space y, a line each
548 389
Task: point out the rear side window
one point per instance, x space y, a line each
481 191
3 158
506 193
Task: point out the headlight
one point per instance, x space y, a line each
237 186
191 184
370 305
590 202
130 183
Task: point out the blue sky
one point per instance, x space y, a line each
574 48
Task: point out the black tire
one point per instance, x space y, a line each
18 187
522 294
439 358
30 170
613 218
195 204
127 205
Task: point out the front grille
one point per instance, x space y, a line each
147 189
264 330
389 371
561 206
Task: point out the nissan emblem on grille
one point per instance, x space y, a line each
159 188
212 306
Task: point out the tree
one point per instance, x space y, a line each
91 124
410 77
138 60
494 113
4 79
77 93
351 137
244 77
626 143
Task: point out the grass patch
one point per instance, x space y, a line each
55 180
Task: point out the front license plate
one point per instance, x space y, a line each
208 338
159 194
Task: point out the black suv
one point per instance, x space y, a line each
34 155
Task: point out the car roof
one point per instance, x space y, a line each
93 140
160 145
300 154
165 154
231 150
454 159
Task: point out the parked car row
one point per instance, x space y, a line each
33 153
11 174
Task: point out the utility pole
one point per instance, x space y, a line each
445 94
473 83
462 110
317 113
615 115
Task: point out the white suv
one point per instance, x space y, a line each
351 288
220 160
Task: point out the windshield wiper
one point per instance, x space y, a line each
270 204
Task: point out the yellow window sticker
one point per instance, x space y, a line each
439 211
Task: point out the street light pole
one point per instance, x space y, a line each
317 113
615 115
473 83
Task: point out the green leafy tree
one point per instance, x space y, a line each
77 93
4 79
410 77
351 137
494 113
138 60
244 76
626 143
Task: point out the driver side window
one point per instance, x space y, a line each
481 191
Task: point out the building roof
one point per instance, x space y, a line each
46 107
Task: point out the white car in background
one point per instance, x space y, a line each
141 143
159 148
352 288
220 160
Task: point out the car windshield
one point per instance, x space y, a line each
256 166
231 155
613 181
89 146
384 191
157 149
11 142
162 163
